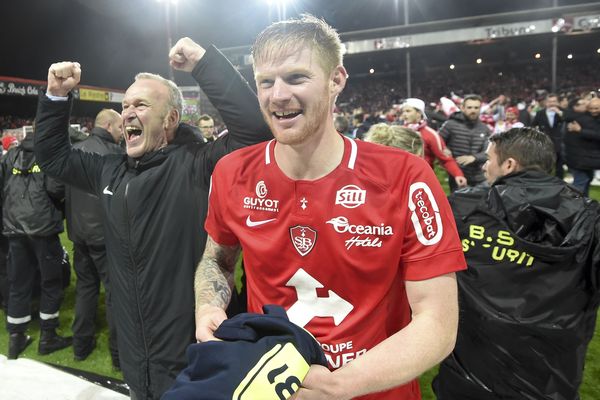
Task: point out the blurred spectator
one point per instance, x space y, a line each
413 116
360 124
8 142
396 136
549 120
510 120
86 231
582 146
467 137
206 124
32 219
342 125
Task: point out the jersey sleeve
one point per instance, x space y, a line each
438 147
431 245
216 224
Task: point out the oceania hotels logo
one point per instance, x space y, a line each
362 235
261 202
350 196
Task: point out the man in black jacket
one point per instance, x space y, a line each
550 121
529 299
466 137
154 200
582 146
32 220
86 231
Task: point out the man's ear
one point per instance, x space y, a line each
338 80
511 165
171 119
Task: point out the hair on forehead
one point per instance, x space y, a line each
288 37
175 95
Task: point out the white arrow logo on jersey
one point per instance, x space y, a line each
309 305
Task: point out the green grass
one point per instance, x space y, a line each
99 361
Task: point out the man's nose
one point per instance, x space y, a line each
280 90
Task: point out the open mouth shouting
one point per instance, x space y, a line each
133 133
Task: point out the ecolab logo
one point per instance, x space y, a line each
425 214
260 202
350 196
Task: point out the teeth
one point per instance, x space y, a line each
283 114
133 130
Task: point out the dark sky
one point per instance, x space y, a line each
115 39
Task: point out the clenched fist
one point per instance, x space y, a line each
63 77
185 54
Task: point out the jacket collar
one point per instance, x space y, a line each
185 134
102 134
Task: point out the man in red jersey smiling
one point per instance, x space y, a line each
358 243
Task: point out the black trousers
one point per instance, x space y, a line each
3 271
90 264
26 255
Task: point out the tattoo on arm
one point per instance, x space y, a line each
214 276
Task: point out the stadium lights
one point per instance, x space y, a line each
451 66
538 56
479 61
558 25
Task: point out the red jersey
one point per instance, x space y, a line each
335 252
435 147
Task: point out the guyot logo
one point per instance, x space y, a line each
260 202
425 214
261 190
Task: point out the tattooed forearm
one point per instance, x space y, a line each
214 275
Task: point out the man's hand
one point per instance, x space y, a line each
208 319
185 54
465 160
461 181
557 110
320 383
574 127
63 77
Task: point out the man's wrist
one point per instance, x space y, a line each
57 97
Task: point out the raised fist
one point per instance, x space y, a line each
63 77
185 54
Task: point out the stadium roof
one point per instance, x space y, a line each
115 39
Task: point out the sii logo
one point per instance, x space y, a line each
350 196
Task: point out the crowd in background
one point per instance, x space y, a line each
446 109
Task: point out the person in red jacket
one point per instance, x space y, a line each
413 115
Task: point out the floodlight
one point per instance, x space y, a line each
451 66
479 61
570 56
371 71
538 55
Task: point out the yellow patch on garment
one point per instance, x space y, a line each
276 376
